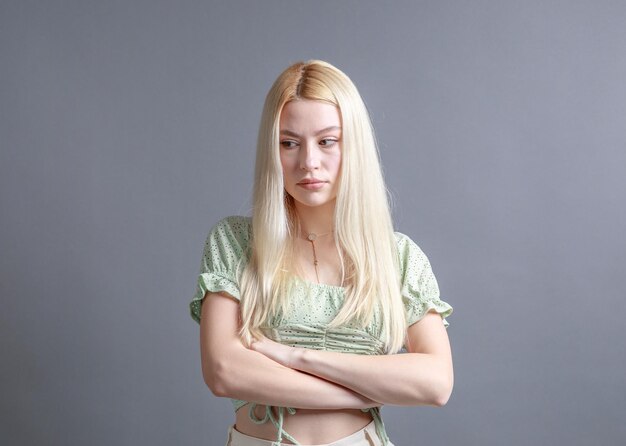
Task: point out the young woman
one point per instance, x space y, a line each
304 307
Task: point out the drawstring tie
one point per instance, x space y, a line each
378 424
278 424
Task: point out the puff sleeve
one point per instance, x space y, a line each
420 291
223 258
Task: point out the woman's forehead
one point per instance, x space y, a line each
309 115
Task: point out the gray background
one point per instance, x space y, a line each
128 129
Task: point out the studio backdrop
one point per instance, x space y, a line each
128 129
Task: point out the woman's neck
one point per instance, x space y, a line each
318 219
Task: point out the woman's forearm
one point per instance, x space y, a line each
234 371
401 379
247 375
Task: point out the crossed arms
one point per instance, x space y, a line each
278 375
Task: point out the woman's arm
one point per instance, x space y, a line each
423 376
231 370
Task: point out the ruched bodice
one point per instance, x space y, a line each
320 337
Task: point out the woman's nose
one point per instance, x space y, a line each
309 159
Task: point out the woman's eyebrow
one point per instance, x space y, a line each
324 130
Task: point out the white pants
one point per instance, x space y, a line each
364 437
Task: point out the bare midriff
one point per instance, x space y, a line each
308 426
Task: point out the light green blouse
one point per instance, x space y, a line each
313 306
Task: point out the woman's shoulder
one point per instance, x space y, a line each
405 242
232 232
411 255
236 224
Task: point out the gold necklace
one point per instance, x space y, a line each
311 238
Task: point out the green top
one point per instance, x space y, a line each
312 306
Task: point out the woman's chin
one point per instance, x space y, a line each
317 202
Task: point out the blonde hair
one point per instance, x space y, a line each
363 227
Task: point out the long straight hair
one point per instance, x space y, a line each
363 226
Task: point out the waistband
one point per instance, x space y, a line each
363 437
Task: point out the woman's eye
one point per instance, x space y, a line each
327 142
288 144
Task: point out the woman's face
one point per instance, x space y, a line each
310 151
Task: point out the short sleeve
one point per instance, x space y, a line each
420 291
224 255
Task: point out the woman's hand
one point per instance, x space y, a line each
282 354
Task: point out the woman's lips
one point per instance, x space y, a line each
312 184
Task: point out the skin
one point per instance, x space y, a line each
310 148
327 388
